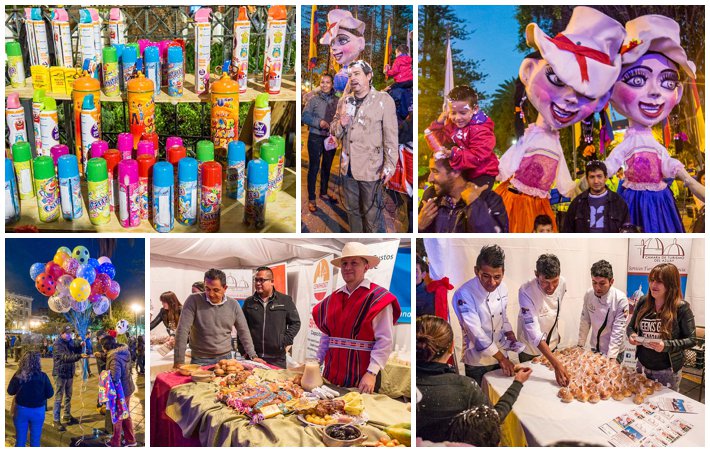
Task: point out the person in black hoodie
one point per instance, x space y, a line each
66 354
445 393
31 388
118 363
272 318
662 326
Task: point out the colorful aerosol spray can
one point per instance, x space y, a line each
204 153
224 117
99 204
188 201
257 186
69 187
12 197
47 189
121 78
173 155
15 65
176 77
145 147
210 196
90 128
22 160
98 148
116 27
432 142
262 121
152 67
173 141
61 33
153 139
274 48
129 194
203 34
145 169
139 57
37 42
111 74
112 157
141 107
124 144
37 104
129 60
280 143
82 87
236 170
57 151
15 120
163 197
270 154
87 44
96 22
240 50
49 124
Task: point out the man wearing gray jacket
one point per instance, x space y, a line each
207 318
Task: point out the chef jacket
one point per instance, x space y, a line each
539 317
606 316
483 321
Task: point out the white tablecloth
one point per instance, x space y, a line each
159 364
545 419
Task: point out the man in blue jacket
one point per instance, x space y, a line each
66 354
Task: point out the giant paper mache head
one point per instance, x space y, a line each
344 35
648 86
575 70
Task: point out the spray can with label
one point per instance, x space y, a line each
37 41
87 44
173 141
204 153
224 117
124 144
82 87
270 154
145 148
47 189
15 65
163 197
203 34
61 32
152 67
12 198
15 120
145 170
49 124
262 121
236 170
210 196
58 151
141 107
240 52
176 77
37 104
99 204
69 187
280 143
116 27
98 148
187 192
112 87
22 159
153 139
173 155
129 60
112 157
96 22
274 48
90 128
129 202
257 185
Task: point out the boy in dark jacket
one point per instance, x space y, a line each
66 354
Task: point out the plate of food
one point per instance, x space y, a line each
328 412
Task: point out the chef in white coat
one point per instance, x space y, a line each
540 300
480 305
604 312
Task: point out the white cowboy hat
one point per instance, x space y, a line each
356 249
654 33
341 18
586 54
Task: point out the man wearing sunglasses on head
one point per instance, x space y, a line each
272 318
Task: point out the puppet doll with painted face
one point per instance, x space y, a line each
567 79
345 38
647 90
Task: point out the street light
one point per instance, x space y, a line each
136 308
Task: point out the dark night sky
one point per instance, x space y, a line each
20 254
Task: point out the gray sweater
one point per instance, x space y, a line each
210 328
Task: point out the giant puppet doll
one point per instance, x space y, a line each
647 90
567 79
345 36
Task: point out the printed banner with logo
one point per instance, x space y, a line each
320 280
240 282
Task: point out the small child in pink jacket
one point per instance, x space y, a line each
401 89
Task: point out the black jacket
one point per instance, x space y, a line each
616 213
118 362
446 393
66 353
274 328
485 214
32 393
683 337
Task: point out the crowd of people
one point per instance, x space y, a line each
451 407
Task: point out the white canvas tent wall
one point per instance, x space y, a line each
177 263
455 258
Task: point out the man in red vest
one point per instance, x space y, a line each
357 322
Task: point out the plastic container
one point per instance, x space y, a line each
257 186
210 196
236 170
129 194
69 187
99 204
12 197
124 144
22 160
141 107
176 76
163 197
15 68
15 120
187 192
262 122
47 189
145 170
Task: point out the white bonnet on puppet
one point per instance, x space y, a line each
343 20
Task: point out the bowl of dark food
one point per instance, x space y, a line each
343 435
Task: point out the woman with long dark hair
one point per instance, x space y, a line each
31 388
118 363
169 314
661 327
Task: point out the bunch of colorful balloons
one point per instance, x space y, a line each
74 280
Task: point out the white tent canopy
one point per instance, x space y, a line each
177 263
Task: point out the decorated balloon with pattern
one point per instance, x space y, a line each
36 269
80 289
81 253
60 257
87 272
108 269
102 306
113 291
104 259
70 266
63 283
94 263
122 326
45 284
53 269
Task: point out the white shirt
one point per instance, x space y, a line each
612 308
483 319
383 326
539 315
